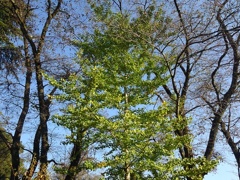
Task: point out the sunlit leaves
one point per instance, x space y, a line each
111 101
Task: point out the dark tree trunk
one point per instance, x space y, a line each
75 158
35 155
15 148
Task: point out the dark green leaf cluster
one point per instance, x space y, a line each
9 54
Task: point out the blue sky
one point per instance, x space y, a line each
224 171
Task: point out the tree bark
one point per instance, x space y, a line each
15 148
35 155
127 175
75 159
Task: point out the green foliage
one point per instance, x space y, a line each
111 103
5 156
10 55
5 152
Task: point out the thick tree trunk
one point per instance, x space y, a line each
127 175
44 115
75 158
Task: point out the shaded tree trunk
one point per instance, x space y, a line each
15 148
127 175
35 155
76 157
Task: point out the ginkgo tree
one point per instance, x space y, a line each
112 104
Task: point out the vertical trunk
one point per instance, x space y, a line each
75 158
44 115
35 156
212 136
44 149
15 148
186 151
43 104
127 175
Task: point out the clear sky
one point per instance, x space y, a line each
224 171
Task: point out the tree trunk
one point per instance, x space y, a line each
35 156
127 175
15 148
76 157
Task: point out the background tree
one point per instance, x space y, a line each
206 50
21 13
33 37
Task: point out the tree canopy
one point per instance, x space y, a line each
112 103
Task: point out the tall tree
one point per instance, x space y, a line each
121 72
206 51
190 57
20 11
